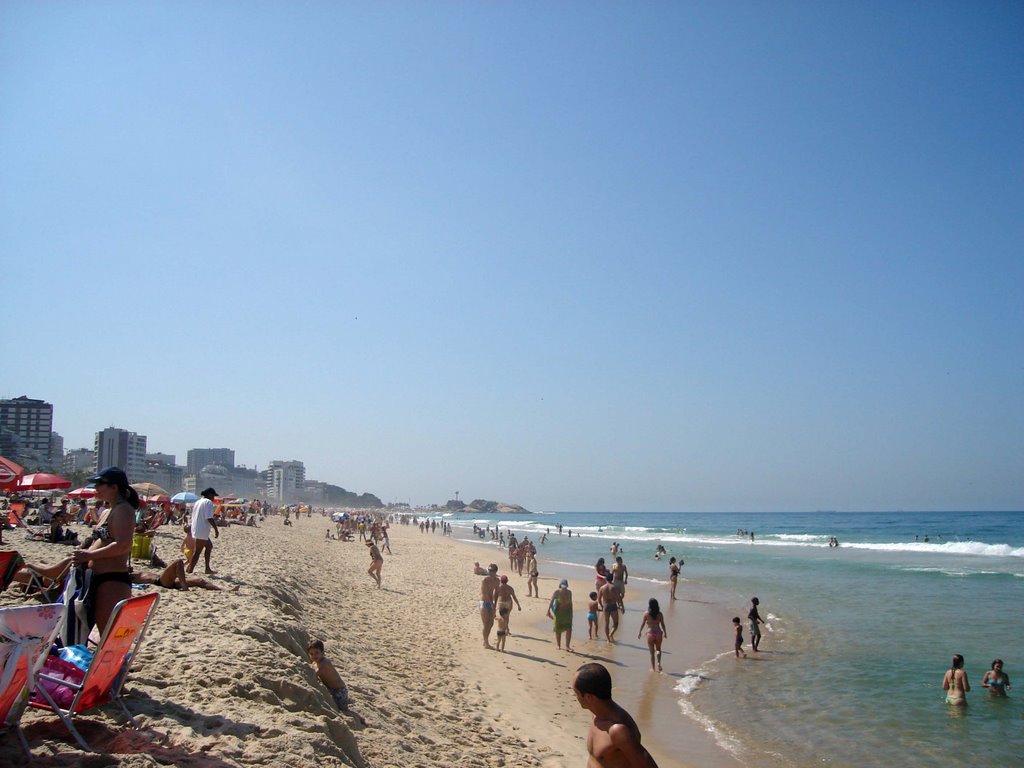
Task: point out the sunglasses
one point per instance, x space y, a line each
98 483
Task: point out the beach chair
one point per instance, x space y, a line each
17 520
104 680
10 563
26 633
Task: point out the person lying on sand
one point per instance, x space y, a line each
175 577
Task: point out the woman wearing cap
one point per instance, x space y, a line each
107 551
560 609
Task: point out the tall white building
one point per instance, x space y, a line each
285 480
121 448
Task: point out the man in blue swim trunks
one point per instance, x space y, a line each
488 586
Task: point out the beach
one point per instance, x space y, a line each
223 678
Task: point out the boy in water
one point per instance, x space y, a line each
329 676
738 646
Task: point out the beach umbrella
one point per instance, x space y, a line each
184 498
82 493
10 471
149 489
41 481
160 498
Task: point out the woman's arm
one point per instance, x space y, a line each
121 524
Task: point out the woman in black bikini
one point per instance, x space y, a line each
108 550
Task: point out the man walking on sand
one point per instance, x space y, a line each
488 586
614 738
202 522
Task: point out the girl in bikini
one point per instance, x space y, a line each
654 621
955 683
996 680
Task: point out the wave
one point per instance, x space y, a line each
690 682
680 536
948 547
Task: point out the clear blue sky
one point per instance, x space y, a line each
579 256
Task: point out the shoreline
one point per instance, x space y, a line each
672 737
223 679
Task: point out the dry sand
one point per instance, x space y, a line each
223 678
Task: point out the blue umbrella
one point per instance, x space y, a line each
184 498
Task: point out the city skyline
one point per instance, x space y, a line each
574 257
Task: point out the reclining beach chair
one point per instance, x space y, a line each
104 680
16 519
26 633
10 563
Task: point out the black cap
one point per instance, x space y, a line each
112 475
209 493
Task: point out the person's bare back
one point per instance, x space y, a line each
613 740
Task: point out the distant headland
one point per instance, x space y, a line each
485 507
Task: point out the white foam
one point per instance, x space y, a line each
689 683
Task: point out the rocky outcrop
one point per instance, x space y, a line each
485 507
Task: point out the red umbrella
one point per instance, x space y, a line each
42 481
9 474
160 498
82 493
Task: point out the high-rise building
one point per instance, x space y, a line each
25 427
79 460
56 451
202 457
285 480
121 448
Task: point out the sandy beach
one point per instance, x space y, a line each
223 678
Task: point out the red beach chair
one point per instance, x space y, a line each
26 633
104 680
10 563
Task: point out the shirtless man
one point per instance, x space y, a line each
503 597
614 739
620 576
609 601
488 586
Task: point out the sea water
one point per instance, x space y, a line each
858 636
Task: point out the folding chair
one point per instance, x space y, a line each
26 633
17 521
104 680
10 563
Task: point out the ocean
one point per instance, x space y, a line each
858 636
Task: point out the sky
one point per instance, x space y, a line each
576 256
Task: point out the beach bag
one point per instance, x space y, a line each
79 655
55 666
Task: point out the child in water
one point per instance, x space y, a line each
592 617
738 647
